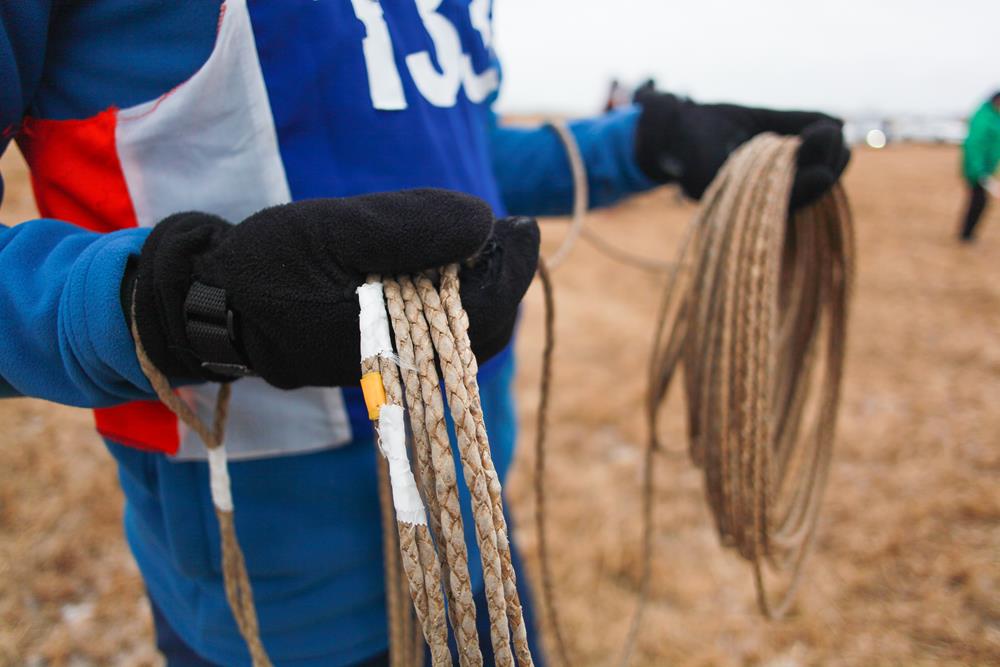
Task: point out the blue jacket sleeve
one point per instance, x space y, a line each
63 335
533 170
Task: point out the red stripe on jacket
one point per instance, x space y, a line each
77 177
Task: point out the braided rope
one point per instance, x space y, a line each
390 550
761 312
416 555
764 296
768 293
414 327
426 321
427 476
459 321
473 467
419 559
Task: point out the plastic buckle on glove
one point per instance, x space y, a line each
211 330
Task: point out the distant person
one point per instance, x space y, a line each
982 155
618 96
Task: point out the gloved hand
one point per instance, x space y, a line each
275 295
678 140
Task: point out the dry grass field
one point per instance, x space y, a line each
906 570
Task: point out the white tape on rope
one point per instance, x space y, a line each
218 477
374 321
392 440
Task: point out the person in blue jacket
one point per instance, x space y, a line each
228 173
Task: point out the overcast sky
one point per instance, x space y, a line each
849 56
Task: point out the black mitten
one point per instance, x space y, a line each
678 140
275 294
494 284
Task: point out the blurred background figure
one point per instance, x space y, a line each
618 96
981 157
644 88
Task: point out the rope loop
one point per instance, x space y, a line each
755 313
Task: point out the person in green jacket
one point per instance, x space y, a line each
982 155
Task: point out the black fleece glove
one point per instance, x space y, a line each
678 140
275 295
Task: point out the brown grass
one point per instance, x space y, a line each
907 568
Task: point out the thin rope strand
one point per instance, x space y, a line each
461 603
459 321
235 579
476 477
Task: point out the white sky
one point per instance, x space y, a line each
849 56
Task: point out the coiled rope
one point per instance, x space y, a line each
758 324
761 328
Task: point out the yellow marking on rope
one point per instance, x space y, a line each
374 392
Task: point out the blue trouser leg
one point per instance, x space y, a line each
173 648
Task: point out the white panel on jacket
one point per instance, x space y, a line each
210 145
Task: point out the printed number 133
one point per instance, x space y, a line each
438 88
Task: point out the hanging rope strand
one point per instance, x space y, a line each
548 597
577 226
234 573
390 548
461 602
426 475
476 478
419 559
416 554
427 321
459 321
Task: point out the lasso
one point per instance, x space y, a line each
755 303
